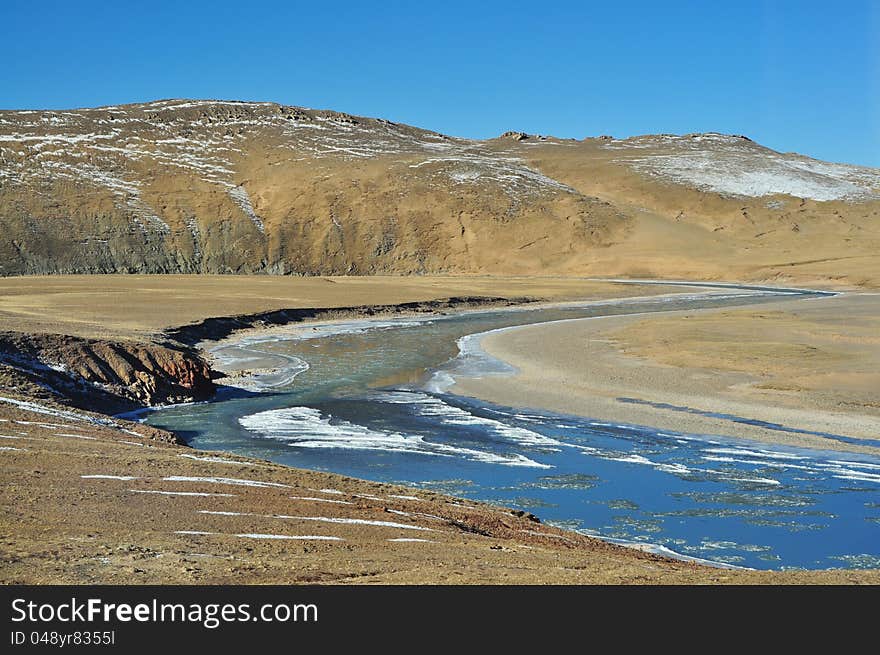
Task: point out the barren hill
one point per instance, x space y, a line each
231 187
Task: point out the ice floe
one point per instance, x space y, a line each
447 414
753 453
866 465
640 459
306 427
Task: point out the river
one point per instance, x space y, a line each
367 398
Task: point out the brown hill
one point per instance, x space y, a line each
208 186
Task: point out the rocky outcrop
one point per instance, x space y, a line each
111 376
513 135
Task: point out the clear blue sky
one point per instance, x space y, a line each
801 76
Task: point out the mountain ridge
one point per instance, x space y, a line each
219 186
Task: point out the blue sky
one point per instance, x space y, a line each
802 76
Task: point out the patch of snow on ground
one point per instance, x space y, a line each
215 460
327 519
87 146
100 476
178 493
320 500
310 537
221 513
59 413
230 481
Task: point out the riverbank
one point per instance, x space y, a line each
806 366
91 503
145 306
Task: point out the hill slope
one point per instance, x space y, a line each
209 186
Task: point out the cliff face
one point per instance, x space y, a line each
106 375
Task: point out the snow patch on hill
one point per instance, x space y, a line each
240 195
111 147
735 166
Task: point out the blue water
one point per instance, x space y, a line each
364 407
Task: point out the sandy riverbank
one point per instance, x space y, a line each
807 364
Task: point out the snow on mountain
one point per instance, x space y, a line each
735 166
